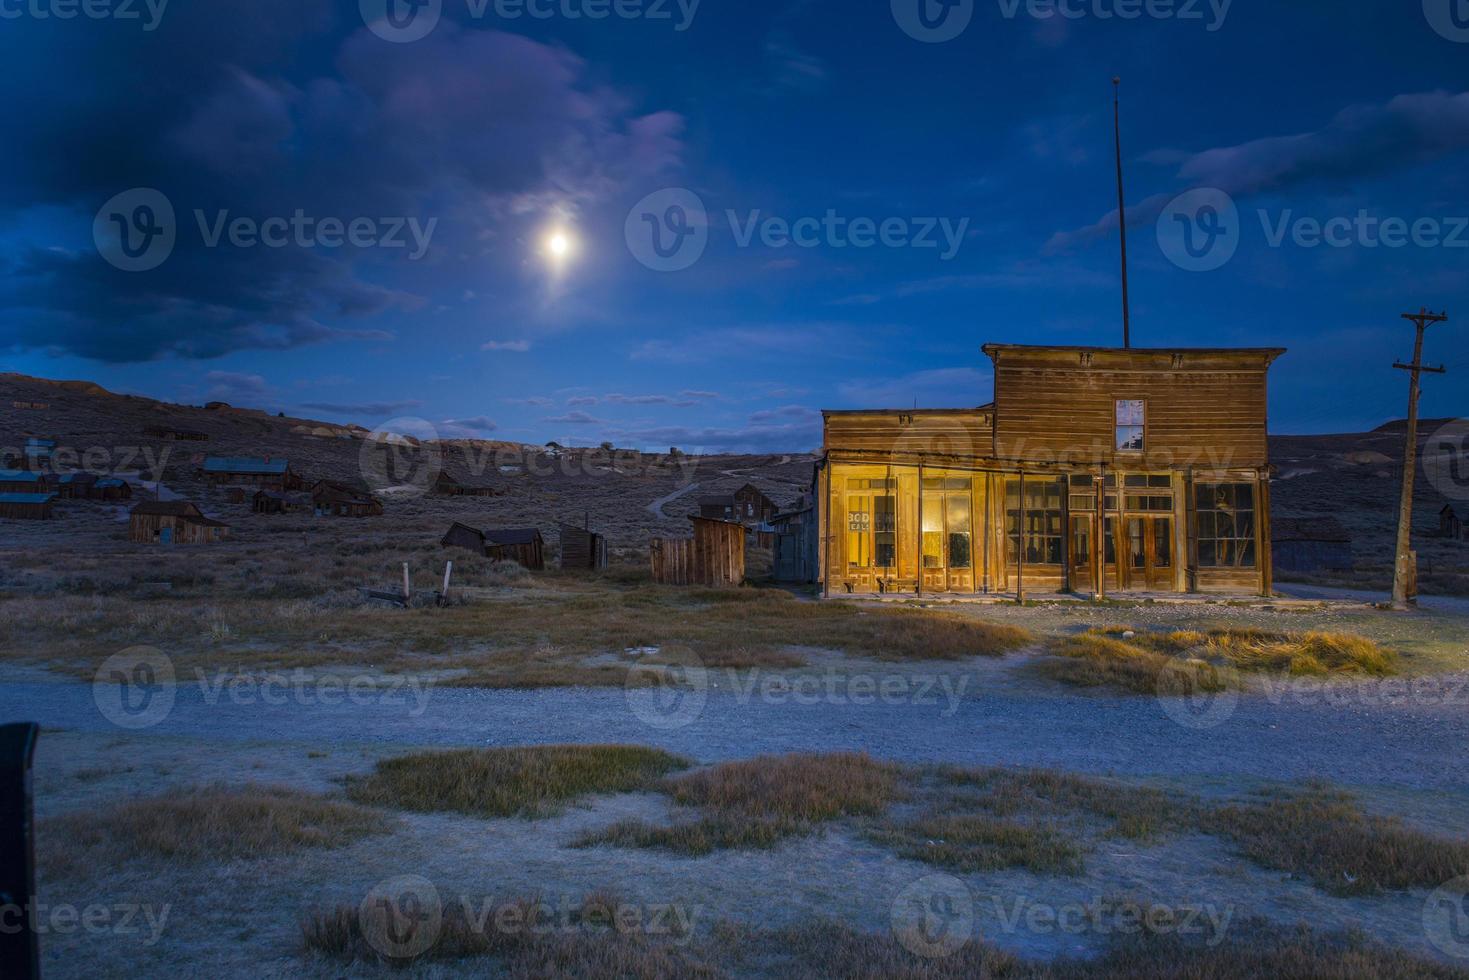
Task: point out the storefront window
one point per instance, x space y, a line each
1226 525
1044 535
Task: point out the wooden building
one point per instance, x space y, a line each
172 433
75 486
274 502
110 488
714 557
1095 470
447 485
797 543
582 548
330 498
25 481
173 522
256 471
1452 522
519 544
26 506
1310 544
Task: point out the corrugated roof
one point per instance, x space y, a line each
25 498
243 464
78 478
167 508
20 476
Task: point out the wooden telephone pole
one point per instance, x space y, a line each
1121 209
1403 565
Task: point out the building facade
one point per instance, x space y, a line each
1094 471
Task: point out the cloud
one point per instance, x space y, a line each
1363 141
574 418
514 346
467 427
694 393
959 387
535 401
581 400
755 438
363 408
463 126
233 387
785 412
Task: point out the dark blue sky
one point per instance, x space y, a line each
496 132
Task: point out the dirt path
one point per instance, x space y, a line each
656 507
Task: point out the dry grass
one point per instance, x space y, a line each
538 942
758 802
1324 835
973 842
1185 661
528 782
1135 812
209 822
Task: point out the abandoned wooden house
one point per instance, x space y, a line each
447 485
75 486
25 481
275 502
518 544
1310 544
26 506
173 433
582 548
1095 470
110 488
256 471
332 499
1452 521
747 505
466 537
713 557
797 542
173 522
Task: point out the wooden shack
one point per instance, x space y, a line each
274 502
447 485
110 488
173 522
25 481
466 537
26 506
1095 470
264 472
1452 521
582 548
171 433
332 499
1303 545
713 557
796 544
519 544
75 486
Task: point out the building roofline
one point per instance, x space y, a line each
1270 352
829 412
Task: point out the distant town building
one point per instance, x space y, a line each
264 472
332 499
173 522
1453 520
26 506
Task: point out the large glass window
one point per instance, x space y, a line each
1226 514
1131 425
961 531
933 531
1044 535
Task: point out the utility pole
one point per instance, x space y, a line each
1121 209
1404 556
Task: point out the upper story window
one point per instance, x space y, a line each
1131 425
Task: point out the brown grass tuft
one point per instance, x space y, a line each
211 822
974 842
530 782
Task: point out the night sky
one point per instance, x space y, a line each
846 204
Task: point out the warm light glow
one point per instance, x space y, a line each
559 244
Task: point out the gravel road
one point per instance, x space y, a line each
1367 736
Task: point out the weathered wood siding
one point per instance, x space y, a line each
582 549
961 434
714 557
1205 409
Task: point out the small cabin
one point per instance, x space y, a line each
110 488
171 434
1452 521
466 537
274 502
26 506
447 485
25 481
518 544
796 543
173 522
1311 544
257 471
582 548
332 499
75 486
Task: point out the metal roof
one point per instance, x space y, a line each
514 535
243 464
25 498
20 476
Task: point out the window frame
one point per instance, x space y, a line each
1118 426
1207 517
